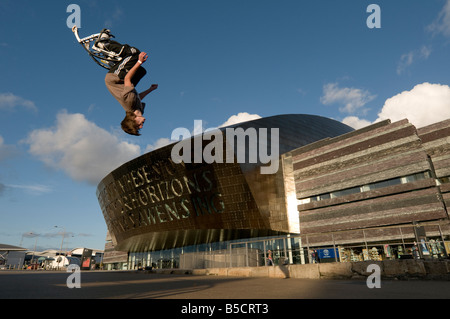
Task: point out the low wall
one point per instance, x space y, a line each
390 269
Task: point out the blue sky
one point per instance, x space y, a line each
214 61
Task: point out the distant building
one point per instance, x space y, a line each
12 256
54 259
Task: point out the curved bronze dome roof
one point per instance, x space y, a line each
153 203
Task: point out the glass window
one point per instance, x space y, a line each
345 192
382 184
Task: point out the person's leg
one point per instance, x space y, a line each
122 68
140 73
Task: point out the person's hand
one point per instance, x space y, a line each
154 87
143 57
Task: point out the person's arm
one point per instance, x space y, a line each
151 89
142 58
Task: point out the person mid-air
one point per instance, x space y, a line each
124 63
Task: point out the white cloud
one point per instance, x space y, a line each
32 189
409 58
35 189
442 23
425 104
355 122
80 148
158 144
239 118
425 52
9 102
352 99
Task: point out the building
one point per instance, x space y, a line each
333 193
12 256
376 185
114 259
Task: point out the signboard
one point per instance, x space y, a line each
86 259
327 253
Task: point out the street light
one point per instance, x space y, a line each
34 252
62 241
30 235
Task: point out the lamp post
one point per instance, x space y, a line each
34 252
62 241
30 235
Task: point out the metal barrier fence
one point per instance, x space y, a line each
426 241
395 242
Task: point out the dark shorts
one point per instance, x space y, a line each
130 58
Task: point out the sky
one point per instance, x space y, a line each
217 61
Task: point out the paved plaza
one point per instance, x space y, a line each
141 285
